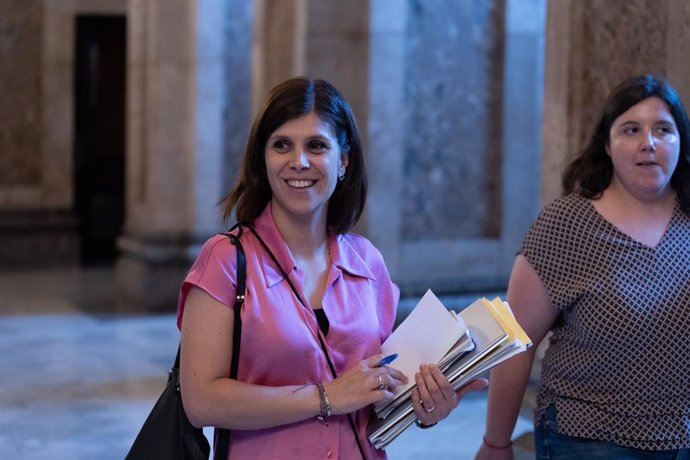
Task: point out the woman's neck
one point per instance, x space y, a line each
308 243
307 239
643 220
616 198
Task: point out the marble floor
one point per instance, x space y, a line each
79 377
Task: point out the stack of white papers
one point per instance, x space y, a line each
464 345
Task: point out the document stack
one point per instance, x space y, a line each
463 344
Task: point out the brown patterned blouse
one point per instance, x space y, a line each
618 364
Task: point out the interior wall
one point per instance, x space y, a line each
37 223
403 99
21 111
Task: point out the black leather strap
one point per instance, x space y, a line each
221 436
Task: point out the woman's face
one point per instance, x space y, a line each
644 147
303 161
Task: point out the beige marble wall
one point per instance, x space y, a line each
37 225
277 44
36 147
313 38
190 76
451 143
20 79
678 46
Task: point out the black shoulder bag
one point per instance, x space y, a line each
167 433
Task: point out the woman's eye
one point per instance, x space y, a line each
665 129
281 145
631 130
317 146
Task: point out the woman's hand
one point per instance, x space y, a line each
364 384
434 398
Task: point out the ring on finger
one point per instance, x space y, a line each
381 384
428 409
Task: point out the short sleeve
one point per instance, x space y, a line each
557 244
214 271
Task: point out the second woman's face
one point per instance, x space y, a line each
644 147
303 161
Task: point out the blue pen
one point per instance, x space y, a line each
387 360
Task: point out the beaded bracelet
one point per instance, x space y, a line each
492 446
324 402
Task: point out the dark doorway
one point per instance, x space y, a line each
99 149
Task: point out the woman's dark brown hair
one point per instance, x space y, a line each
590 173
289 100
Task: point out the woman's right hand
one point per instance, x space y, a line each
490 453
360 385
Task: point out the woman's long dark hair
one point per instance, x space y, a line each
289 100
590 173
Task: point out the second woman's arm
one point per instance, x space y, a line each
536 315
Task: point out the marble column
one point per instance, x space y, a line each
454 110
176 141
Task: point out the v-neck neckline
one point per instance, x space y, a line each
627 236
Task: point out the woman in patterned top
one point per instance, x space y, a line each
606 269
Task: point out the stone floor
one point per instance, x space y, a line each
79 378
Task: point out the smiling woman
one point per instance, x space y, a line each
319 300
303 163
288 102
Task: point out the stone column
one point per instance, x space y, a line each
176 162
678 43
278 44
384 134
453 147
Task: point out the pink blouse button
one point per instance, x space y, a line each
329 454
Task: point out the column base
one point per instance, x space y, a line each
149 272
38 239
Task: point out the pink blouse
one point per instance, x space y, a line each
280 344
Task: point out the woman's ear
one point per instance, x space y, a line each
345 159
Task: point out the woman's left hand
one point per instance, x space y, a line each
434 398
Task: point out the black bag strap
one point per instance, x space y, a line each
319 334
221 436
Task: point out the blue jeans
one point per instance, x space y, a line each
551 445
